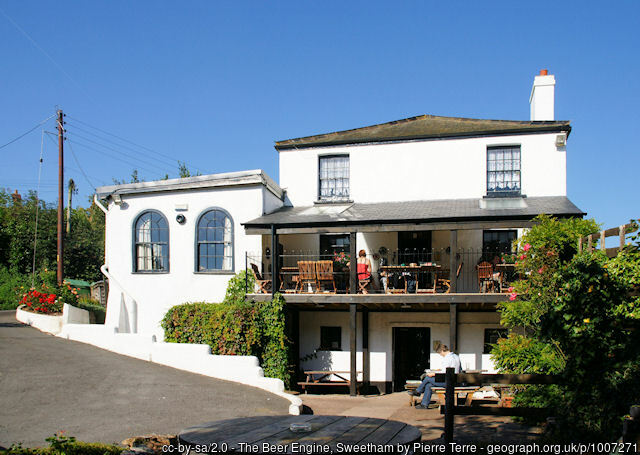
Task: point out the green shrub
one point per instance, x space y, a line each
12 286
235 327
59 444
92 306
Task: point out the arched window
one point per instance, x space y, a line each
151 249
214 249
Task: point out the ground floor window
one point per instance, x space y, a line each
330 338
491 337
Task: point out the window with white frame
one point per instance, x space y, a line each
151 249
214 249
503 170
333 173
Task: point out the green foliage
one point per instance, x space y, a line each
235 327
238 286
59 444
576 313
12 286
84 246
92 306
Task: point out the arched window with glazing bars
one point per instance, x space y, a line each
214 241
151 243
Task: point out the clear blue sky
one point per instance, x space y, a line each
214 84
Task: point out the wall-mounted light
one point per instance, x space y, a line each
117 199
181 219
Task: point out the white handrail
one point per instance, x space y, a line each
123 291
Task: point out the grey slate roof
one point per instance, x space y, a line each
227 179
417 211
425 127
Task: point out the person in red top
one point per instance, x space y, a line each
363 267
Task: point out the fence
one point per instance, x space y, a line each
408 270
450 378
621 232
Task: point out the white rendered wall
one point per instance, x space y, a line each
470 339
426 170
155 293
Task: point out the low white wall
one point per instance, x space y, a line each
44 322
73 315
195 358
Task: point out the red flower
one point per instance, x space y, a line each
526 247
513 296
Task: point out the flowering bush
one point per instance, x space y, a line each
340 260
41 302
49 301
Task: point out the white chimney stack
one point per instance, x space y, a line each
542 97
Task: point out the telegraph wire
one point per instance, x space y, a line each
32 129
81 170
35 235
21 30
168 162
134 165
172 158
127 154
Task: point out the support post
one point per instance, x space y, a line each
353 385
60 256
353 265
602 241
580 245
246 274
275 261
453 261
450 387
453 327
623 237
366 365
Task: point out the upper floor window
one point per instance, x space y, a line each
214 250
496 242
151 243
503 171
334 178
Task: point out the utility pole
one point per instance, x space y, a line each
60 256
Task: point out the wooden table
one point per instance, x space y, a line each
502 270
403 269
268 434
322 378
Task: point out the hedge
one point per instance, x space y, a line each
235 327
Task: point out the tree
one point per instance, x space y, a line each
573 315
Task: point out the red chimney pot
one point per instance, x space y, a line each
544 72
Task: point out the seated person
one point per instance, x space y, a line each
451 360
363 268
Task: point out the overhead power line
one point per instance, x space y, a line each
172 158
24 134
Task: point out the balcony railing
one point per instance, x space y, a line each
409 271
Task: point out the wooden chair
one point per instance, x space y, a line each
485 276
324 273
306 274
264 285
445 283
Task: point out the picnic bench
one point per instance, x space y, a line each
323 378
459 392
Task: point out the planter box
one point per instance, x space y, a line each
44 322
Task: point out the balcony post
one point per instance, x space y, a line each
353 321
275 261
366 365
453 261
353 265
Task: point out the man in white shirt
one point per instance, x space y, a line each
451 360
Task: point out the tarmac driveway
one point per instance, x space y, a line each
48 384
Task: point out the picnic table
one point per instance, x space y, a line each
466 391
297 434
323 378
